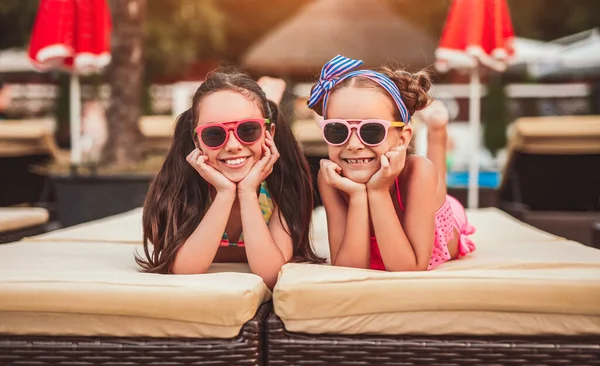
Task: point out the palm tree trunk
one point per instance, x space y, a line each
123 146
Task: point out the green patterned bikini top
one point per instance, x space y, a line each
266 206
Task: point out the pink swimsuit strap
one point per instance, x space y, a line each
398 195
449 217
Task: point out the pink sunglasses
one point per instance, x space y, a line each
371 132
247 131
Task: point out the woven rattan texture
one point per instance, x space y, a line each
245 349
285 348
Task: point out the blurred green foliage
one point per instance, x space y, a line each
495 115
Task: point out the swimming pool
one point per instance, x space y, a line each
461 179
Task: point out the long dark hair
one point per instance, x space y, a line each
177 197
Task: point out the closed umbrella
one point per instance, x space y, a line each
478 33
73 35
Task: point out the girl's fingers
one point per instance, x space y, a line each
192 156
271 145
334 179
396 155
385 166
199 154
398 150
201 162
385 163
264 161
274 151
337 168
401 150
326 168
270 163
331 172
393 158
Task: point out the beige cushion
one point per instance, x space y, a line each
492 225
96 289
157 126
26 137
157 131
557 135
123 228
17 218
518 281
562 135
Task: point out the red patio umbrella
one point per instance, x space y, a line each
477 33
73 35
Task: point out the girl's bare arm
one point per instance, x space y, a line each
407 246
347 226
268 248
199 250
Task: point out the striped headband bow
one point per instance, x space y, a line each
339 69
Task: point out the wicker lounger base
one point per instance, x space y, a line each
245 349
288 349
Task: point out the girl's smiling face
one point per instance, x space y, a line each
234 159
359 161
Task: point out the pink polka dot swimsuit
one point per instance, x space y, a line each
448 217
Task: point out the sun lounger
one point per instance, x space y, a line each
157 132
19 222
23 145
552 175
74 303
27 138
524 297
124 228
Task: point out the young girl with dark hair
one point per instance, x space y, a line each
235 186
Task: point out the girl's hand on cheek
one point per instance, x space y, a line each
332 175
392 164
200 163
261 170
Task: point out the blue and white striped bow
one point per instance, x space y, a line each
339 69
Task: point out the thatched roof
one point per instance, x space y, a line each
361 29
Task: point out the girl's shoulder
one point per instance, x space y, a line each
418 170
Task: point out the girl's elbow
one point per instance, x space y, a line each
407 267
270 282
350 263
421 267
269 278
182 268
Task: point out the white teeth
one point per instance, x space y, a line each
358 161
237 161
